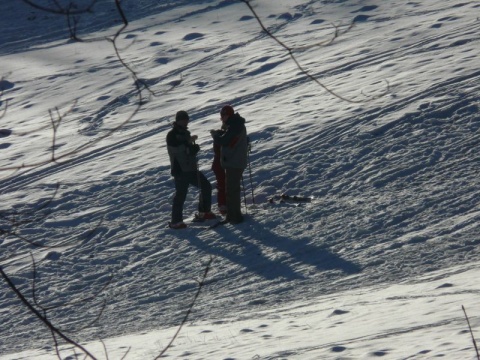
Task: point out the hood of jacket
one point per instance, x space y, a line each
235 118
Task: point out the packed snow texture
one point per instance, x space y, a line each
377 122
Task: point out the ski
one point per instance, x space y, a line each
216 224
200 225
290 198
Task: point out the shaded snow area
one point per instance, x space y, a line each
378 125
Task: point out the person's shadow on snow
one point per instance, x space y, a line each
258 249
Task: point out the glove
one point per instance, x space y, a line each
194 149
216 133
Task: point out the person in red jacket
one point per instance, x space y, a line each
219 172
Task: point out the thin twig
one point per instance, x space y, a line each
471 333
42 318
59 10
305 72
201 284
138 83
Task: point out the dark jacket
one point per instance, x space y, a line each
181 150
234 143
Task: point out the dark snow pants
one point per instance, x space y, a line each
234 201
220 176
182 182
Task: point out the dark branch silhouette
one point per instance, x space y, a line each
139 84
201 284
40 316
471 332
60 10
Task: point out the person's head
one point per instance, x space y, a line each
182 118
226 112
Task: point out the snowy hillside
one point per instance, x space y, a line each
378 264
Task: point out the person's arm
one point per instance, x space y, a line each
176 139
230 136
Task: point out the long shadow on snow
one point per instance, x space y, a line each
302 250
251 238
243 254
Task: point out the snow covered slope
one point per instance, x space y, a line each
391 163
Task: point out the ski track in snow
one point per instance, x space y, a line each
394 181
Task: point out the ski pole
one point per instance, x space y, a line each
244 196
250 168
199 182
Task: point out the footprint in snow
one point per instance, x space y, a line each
201 84
446 285
287 16
245 331
360 18
339 312
193 36
264 68
6 85
338 349
380 353
53 255
162 61
246 18
366 8
5 133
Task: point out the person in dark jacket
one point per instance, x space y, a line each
182 151
233 143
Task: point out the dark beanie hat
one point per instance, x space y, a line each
182 115
227 110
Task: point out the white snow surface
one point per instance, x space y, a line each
377 265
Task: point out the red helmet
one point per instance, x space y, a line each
227 111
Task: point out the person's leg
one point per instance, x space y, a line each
205 199
234 203
220 177
181 189
221 191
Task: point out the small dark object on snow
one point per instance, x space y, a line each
289 198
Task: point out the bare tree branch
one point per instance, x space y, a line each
471 332
60 10
139 84
41 317
201 284
305 72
